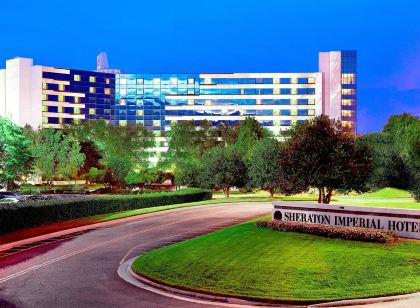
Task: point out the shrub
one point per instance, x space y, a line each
34 213
347 233
416 193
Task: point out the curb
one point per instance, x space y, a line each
126 273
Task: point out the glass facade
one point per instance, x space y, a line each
276 100
74 95
349 88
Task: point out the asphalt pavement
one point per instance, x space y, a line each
81 271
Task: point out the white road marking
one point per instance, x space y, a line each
101 244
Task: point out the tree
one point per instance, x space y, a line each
250 131
322 153
56 155
122 148
222 167
265 165
96 175
15 156
142 177
388 168
396 159
188 173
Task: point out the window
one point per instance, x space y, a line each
276 91
140 91
61 98
348 91
61 87
122 122
191 80
156 122
139 112
349 78
76 110
44 97
92 79
107 91
311 101
76 99
122 102
346 113
91 89
139 80
311 112
293 112
92 111
44 86
293 80
311 80
123 81
156 81
76 77
190 102
44 108
347 124
293 101
190 91
347 102
293 91
276 80
60 109
107 81
44 120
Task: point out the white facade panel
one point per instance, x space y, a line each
2 93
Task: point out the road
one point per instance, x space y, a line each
82 271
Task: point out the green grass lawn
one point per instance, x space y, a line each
386 197
259 263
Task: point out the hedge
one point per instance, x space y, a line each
347 233
34 213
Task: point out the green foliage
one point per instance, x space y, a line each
188 173
322 153
95 175
35 213
122 148
222 167
15 156
396 153
264 170
346 233
250 131
141 178
56 156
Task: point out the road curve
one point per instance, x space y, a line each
82 271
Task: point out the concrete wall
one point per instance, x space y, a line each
330 67
21 92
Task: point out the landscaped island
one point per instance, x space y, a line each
251 262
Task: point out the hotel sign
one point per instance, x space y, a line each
405 223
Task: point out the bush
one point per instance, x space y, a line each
347 233
34 213
416 193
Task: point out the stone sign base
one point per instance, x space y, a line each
405 223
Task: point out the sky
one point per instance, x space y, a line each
229 36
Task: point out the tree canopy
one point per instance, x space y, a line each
15 156
322 153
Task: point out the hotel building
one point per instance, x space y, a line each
43 96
